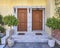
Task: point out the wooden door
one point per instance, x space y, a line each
22 17
36 19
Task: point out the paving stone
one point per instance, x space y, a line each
30 45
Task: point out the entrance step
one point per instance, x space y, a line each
30 38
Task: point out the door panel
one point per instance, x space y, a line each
36 19
22 17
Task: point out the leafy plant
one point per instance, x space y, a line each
1 20
10 20
2 29
53 23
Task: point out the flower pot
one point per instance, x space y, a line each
10 31
10 42
51 42
2 46
56 34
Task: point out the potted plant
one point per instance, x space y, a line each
2 34
54 24
1 20
11 21
2 30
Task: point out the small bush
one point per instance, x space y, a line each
1 20
10 20
53 23
2 29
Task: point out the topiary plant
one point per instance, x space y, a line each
1 20
53 23
10 20
2 29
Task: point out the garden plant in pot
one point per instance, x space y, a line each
2 29
2 33
54 24
11 21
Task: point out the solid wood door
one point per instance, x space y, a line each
36 19
22 17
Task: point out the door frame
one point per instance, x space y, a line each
30 7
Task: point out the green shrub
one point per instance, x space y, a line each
10 20
53 23
2 29
1 20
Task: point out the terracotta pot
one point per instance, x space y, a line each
56 34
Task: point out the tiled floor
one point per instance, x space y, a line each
30 45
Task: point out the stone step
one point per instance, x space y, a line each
30 38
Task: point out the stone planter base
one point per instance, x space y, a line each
10 42
56 34
1 46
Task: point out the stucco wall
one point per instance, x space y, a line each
6 6
50 11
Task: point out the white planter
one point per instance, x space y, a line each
1 46
51 42
9 32
10 42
